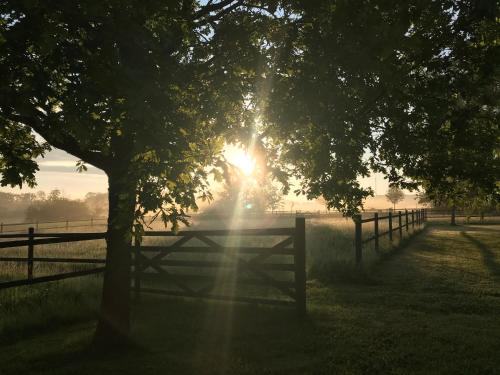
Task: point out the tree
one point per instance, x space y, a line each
97 203
408 89
56 207
143 91
394 195
273 196
451 116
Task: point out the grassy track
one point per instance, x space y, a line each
430 308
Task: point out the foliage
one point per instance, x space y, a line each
446 137
149 101
462 196
97 204
407 88
56 207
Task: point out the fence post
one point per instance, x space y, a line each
400 225
31 246
67 224
1 227
375 229
357 239
390 225
137 267
300 264
36 225
413 219
406 219
91 222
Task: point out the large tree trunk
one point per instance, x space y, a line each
114 320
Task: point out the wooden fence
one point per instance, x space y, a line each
58 224
292 246
413 218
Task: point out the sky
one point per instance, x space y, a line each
58 171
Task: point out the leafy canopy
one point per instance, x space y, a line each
143 90
406 88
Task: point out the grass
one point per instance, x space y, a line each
430 307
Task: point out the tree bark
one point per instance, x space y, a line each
114 320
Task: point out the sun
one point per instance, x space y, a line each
240 159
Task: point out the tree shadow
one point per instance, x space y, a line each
487 254
188 337
466 227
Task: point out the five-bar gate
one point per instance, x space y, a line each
215 263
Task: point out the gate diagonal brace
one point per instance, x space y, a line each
250 265
148 262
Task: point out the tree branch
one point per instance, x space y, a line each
209 8
62 141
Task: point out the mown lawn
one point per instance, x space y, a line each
430 308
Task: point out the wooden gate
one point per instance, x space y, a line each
196 264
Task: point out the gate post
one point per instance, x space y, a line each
390 225
357 239
137 267
299 244
31 247
400 221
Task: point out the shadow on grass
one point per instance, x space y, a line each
403 243
195 337
487 254
347 272
466 227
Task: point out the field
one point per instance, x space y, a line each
429 307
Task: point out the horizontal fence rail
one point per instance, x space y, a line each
33 239
402 220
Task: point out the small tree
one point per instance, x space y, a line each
273 197
394 195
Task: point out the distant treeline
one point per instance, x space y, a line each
52 206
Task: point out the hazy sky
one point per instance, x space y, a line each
57 170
